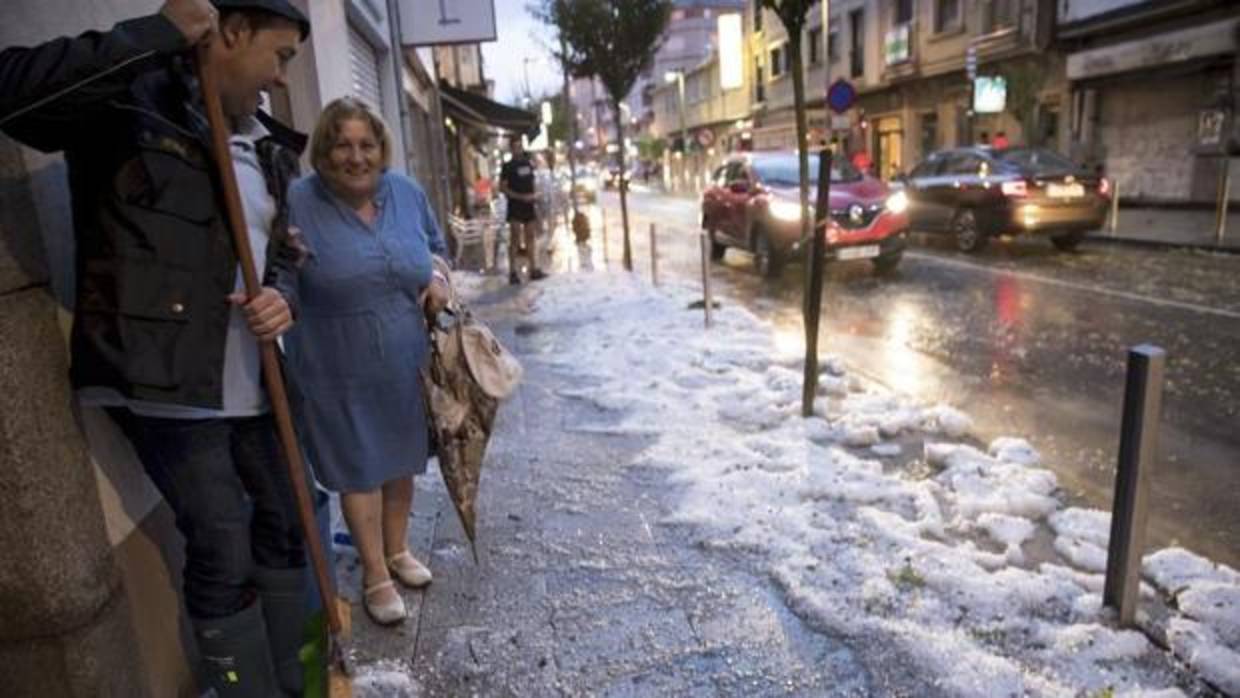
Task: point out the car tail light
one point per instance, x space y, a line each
1104 186
1016 189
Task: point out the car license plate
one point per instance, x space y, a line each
863 252
1065 191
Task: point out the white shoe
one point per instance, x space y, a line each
408 570
389 613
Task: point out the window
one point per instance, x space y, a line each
759 91
856 47
904 12
1048 126
929 133
946 15
963 164
736 172
998 15
833 41
777 61
929 168
757 15
815 45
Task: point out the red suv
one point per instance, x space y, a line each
754 204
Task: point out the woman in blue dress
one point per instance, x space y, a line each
361 339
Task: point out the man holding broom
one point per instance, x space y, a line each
163 335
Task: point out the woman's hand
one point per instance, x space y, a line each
436 296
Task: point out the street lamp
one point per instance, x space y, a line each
678 77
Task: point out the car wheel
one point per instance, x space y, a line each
887 263
717 249
1067 242
968 237
766 259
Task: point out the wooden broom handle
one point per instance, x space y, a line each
272 375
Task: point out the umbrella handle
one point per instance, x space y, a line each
273 377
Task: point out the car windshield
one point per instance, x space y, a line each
784 170
1037 160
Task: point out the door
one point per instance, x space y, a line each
889 133
960 186
925 208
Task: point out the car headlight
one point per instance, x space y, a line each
785 210
898 202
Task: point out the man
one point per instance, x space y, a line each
163 336
1001 141
517 184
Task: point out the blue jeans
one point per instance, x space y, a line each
230 491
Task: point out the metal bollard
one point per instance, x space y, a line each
709 302
603 230
654 257
1138 450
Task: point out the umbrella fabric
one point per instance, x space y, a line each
469 372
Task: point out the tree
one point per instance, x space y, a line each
1024 83
615 41
793 15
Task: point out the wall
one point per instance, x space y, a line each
85 539
328 66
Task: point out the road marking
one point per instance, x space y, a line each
1193 307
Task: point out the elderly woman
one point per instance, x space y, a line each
361 339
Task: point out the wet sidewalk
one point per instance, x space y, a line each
1173 227
579 591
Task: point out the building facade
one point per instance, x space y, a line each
1152 92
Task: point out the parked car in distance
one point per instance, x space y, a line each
978 193
753 204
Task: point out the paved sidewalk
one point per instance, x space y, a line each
579 591
1164 227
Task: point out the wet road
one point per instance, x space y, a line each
1029 342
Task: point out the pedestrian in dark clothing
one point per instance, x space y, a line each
163 336
517 184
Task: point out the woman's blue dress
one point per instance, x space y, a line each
360 338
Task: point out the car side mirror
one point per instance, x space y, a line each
739 187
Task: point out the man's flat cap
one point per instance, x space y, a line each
283 8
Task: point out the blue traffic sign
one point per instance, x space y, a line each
841 96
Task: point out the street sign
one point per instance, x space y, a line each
970 63
705 137
437 22
841 96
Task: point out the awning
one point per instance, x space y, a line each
479 111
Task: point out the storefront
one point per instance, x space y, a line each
1143 111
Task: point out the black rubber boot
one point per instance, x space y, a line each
236 661
284 606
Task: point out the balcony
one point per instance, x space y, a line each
899 52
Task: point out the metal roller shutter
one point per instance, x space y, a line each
364 69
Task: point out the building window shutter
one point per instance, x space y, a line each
364 69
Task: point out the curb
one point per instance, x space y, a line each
1161 244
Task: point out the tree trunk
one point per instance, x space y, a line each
624 185
809 231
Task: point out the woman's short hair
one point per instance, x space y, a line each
328 130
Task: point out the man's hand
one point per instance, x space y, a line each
195 18
268 314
